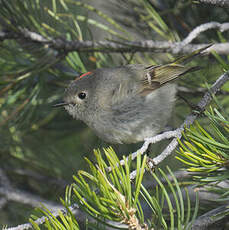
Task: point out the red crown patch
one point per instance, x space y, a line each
83 75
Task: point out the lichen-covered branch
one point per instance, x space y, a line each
183 47
222 3
204 27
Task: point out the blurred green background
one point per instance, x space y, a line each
42 147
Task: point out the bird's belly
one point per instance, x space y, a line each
138 118
129 133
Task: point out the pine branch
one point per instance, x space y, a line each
203 222
39 221
183 47
11 194
204 102
131 47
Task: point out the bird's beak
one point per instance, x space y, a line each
60 104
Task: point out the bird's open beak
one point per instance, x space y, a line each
60 104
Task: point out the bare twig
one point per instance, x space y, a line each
148 141
183 47
203 27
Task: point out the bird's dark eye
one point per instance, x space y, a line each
82 95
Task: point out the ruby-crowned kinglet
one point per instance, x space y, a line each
126 104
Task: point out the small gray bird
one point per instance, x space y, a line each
126 104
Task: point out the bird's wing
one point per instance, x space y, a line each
156 76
